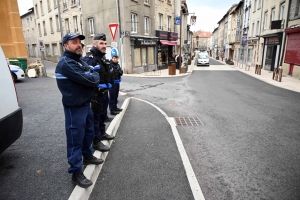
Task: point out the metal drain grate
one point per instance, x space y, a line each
188 121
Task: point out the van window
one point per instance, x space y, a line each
203 56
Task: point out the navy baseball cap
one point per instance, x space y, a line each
71 36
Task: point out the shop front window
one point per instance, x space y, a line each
151 55
137 57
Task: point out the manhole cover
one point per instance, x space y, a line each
188 121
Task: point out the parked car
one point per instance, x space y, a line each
202 58
11 117
16 72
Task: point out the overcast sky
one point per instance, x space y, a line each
208 12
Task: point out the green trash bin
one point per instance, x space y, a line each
21 62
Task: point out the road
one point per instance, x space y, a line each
247 147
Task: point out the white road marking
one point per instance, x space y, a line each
195 187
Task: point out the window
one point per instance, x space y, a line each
250 51
146 1
28 34
257 28
253 27
91 26
297 8
65 4
32 30
146 31
254 6
133 23
36 11
51 24
41 5
281 16
160 21
57 23
49 5
169 23
137 57
75 22
55 3
55 49
47 48
273 14
259 4
44 27
151 55
73 2
67 25
39 27
266 20
28 23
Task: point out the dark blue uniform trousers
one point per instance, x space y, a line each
99 117
113 96
80 134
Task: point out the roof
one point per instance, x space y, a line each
203 34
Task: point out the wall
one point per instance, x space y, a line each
11 33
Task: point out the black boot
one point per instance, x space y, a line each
92 160
100 147
108 119
114 112
81 180
119 109
106 136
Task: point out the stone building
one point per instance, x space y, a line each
29 32
48 29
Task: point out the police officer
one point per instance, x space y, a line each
114 90
76 82
96 58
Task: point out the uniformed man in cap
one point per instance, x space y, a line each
76 82
96 58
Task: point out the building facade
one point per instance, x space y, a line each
12 44
48 30
291 58
29 32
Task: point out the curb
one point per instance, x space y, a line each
92 171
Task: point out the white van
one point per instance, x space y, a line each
203 59
11 117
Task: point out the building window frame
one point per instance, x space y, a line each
57 23
281 11
91 26
134 21
265 20
160 21
169 23
67 25
146 25
44 28
75 22
51 25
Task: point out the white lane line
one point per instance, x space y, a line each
195 187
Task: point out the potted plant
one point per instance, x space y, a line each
182 68
217 58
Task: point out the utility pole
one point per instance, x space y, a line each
180 57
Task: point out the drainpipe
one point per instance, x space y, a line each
284 42
60 23
119 33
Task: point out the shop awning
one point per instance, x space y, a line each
165 42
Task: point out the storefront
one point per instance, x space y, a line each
271 52
143 54
292 50
166 48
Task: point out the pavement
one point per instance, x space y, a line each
149 161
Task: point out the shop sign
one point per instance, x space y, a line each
162 35
146 42
172 36
272 40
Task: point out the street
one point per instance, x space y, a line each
247 147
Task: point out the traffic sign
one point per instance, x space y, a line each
113 27
114 44
177 20
114 52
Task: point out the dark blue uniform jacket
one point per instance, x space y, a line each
75 80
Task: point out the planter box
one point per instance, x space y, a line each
182 70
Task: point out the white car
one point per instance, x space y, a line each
16 72
202 59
